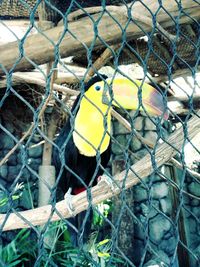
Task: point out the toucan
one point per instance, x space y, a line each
83 148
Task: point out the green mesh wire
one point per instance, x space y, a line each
153 223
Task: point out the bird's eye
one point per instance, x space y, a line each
97 87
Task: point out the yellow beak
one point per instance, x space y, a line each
122 92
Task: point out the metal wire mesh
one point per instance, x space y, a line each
128 202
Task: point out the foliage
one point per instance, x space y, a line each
17 251
101 212
61 253
17 192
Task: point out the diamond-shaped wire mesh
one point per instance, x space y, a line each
99 139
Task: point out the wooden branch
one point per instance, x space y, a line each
122 10
102 60
100 192
68 79
119 10
19 78
38 49
31 80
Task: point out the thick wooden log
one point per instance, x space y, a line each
78 36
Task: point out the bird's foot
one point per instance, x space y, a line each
108 180
68 197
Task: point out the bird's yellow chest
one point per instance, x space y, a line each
91 130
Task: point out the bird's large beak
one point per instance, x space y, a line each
122 92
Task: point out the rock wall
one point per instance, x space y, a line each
21 167
191 213
146 209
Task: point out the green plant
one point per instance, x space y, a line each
16 252
23 251
101 212
16 194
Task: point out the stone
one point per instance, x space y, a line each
141 218
34 177
149 210
161 259
151 136
1 144
35 152
165 206
169 245
141 153
34 167
37 161
4 171
12 159
25 174
194 188
195 203
21 158
196 211
140 193
138 123
36 139
13 172
156 178
116 148
34 163
7 141
9 126
3 183
118 128
149 124
158 226
135 144
144 209
192 225
159 190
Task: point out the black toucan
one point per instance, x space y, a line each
82 149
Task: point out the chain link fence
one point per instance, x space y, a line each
99 133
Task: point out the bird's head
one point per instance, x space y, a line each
127 94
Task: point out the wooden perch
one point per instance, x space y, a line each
38 49
102 191
33 77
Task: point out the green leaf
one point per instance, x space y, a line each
103 242
103 255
